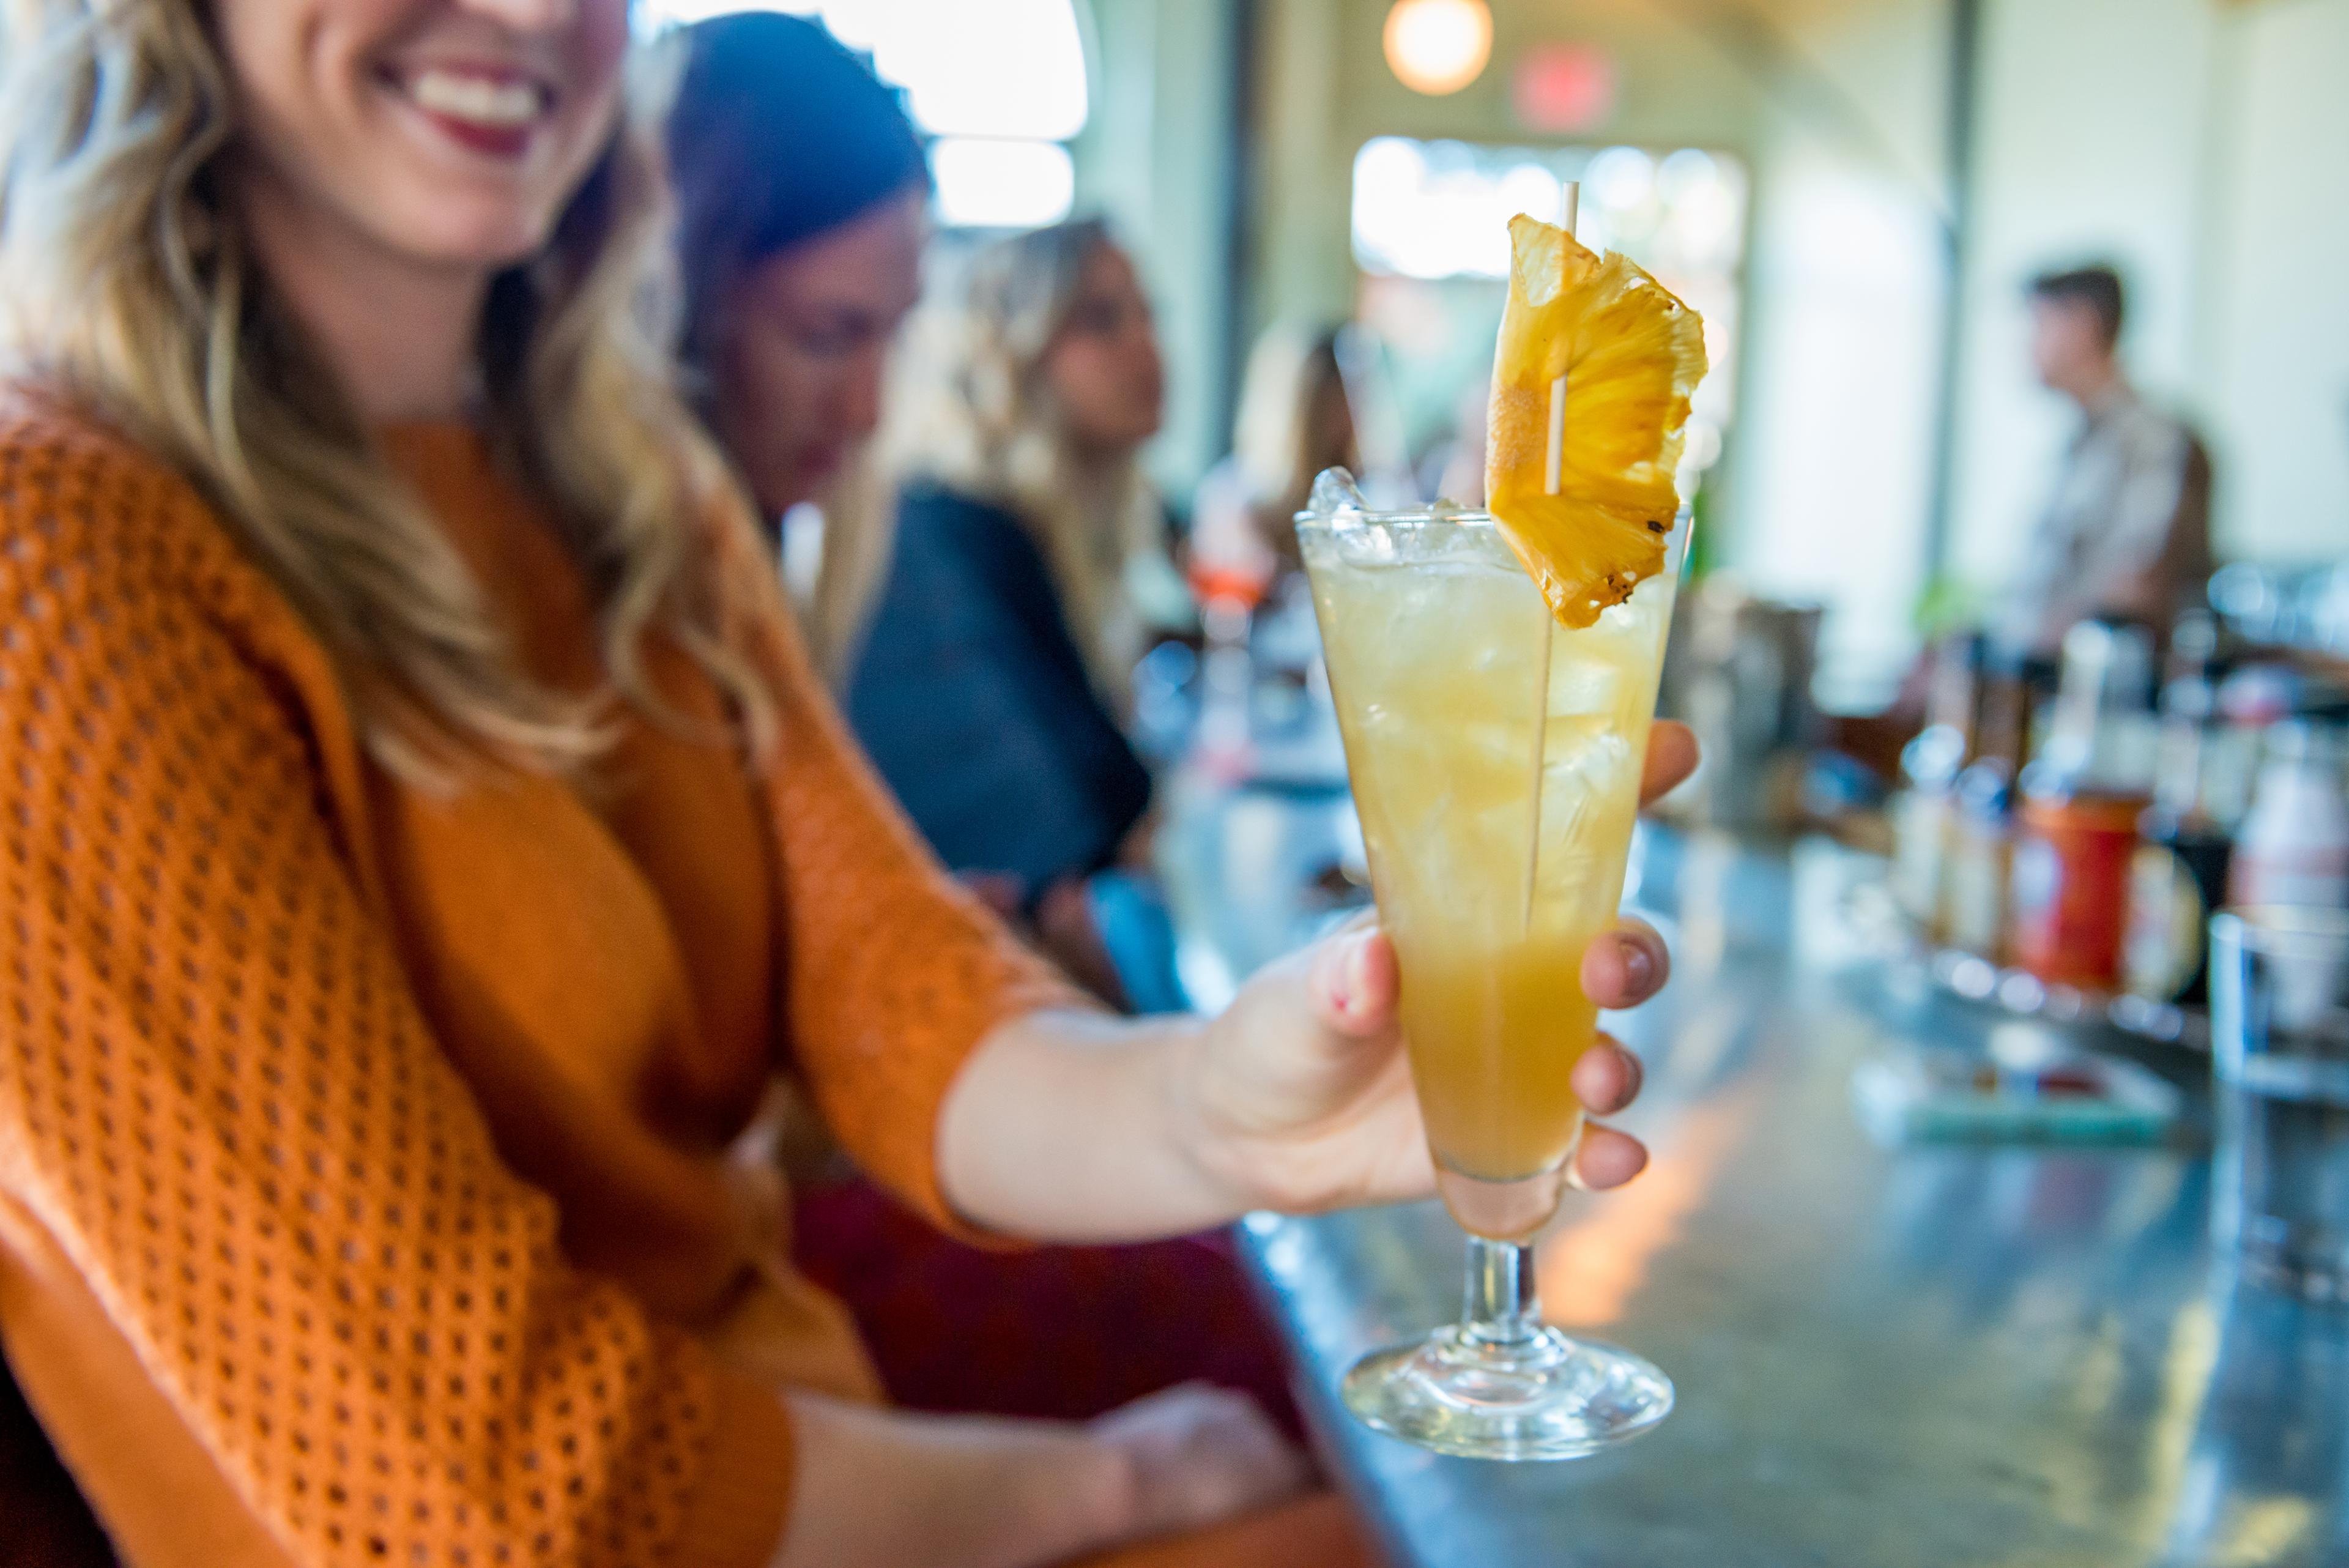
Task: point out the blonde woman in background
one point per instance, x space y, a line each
993 672
423 839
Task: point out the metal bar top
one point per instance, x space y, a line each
1936 1355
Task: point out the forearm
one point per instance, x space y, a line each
1072 1126
898 1491
1068 1125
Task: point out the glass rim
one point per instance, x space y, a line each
1464 517
2268 928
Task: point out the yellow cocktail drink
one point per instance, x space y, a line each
1496 679
1496 760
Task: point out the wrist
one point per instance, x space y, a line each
1087 1492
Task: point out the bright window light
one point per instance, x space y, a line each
1001 84
652 16
1441 209
1013 69
1437 209
999 184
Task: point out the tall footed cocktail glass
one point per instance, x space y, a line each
1496 757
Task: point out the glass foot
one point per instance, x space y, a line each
1545 1396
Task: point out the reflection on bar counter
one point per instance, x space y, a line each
2279 1200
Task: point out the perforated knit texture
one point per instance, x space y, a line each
221 1100
216 1091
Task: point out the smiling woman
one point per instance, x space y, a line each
481 106
282 204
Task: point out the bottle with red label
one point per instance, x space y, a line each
2178 879
2076 831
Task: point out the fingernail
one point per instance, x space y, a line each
1357 974
1639 965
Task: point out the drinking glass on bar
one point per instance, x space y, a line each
2280 1051
1496 758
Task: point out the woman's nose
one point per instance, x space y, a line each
860 397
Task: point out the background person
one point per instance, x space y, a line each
991 680
425 838
2126 534
797 272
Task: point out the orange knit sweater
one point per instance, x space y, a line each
365 1187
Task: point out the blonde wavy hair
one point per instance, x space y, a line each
972 411
859 526
128 289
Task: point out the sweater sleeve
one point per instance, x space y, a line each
895 973
220 1104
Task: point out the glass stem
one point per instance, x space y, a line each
1504 1306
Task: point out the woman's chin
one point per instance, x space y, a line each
487 233
815 474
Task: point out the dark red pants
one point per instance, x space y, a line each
1064 1333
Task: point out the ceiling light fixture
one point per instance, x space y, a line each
1438 47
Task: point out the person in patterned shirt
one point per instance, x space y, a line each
2126 533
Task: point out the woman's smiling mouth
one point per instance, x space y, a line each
489 110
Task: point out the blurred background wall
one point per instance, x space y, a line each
1883 441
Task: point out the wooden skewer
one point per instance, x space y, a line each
1554 470
1554 467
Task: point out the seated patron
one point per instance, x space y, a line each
991 680
798 273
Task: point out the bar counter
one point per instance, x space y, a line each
1941 1354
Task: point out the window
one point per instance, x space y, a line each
1431 223
1000 86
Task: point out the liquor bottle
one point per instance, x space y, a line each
1982 818
1930 764
2179 876
2082 799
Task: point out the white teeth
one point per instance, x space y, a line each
477 98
